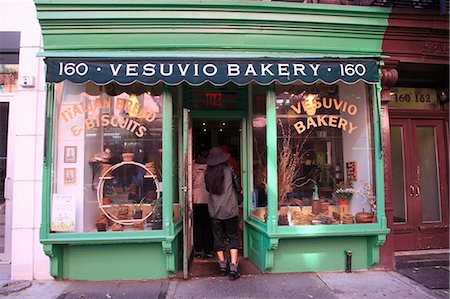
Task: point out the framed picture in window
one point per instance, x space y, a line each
70 177
70 154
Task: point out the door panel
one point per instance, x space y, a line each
428 174
187 179
5 181
419 184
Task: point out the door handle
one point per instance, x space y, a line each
411 190
7 190
417 191
184 188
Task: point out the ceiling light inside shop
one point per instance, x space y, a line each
135 101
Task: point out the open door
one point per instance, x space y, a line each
188 239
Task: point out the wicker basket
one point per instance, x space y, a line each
300 218
347 218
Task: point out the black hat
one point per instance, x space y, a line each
216 157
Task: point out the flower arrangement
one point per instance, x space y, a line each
344 190
369 197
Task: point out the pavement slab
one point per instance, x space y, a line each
436 277
41 289
143 289
296 285
373 285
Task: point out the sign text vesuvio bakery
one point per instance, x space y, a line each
217 72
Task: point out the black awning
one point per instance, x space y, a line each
215 71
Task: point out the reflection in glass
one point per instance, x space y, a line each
429 180
4 113
398 175
9 74
115 133
324 155
259 184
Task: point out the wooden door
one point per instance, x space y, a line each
419 184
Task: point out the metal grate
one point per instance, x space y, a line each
442 5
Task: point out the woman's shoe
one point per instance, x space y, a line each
208 255
234 274
223 268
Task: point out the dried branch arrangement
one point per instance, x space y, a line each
290 156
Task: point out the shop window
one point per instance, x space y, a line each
325 154
259 182
107 158
9 61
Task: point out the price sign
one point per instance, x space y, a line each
63 213
414 98
352 171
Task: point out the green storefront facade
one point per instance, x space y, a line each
143 39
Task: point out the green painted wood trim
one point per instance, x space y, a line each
108 262
232 26
379 161
167 162
218 114
247 144
288 232
245 171
373 251
55 253
257 225
180 54
105 237
44 229
272 161
320 254
167 234
329 231
271 244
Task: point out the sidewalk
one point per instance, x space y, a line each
360 284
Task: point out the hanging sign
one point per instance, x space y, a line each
217 72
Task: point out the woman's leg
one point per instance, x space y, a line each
231 230
219 237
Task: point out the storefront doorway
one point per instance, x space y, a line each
419 183
216 118
5 182
221 131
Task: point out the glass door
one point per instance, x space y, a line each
419 184
5 183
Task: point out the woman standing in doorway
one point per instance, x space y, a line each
203 240
223 209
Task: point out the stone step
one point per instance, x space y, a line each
423 260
